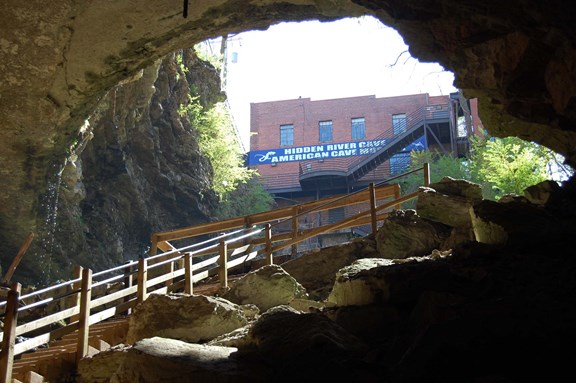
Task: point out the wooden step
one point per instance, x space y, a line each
27 376
52 354
47 363
99 344
32 377
51 369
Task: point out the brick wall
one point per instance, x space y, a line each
305 115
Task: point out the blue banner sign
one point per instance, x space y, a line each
324 151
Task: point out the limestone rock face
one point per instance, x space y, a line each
58 63
135 167
191 318
404 234
266 287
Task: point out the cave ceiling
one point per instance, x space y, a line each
58 59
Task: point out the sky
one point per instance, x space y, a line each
346 58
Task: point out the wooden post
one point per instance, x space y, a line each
169 269
223 271
247 224
397 196
84 322
10 323
295 212
269 256
372 192
188 289
154 245
75 298
142 279
127 283
426 174
17 259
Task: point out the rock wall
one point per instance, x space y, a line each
135 169
59 62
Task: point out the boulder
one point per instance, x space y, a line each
191 318
371 323
308 348
458 188
317 269
542 193
383 281
237 338
512 223
266 287
355 285
448 201
404 234
100 367
168 360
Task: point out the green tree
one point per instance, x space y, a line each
237 186
249 198
218 142
510 164
499 165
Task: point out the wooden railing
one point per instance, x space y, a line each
88 298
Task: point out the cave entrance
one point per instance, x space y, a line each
322 60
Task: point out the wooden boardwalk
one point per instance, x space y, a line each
89 313
58 358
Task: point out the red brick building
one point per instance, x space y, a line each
306 149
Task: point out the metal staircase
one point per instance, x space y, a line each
416 124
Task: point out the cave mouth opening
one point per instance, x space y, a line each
349 57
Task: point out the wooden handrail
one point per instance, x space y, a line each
81 308
383 191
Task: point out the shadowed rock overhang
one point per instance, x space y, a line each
517 57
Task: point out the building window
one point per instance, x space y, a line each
286 135
358 128
399 163
325 131
399 123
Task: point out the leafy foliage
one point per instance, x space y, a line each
510 164
237 186
204 53
249 198
499 165
218 142
441 165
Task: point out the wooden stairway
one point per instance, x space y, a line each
58 358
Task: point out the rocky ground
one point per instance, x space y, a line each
454 309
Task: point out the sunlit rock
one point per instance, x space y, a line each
191 318
360 283
316 270
448 201
157 360
266 287
101 367
513 223
404 234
